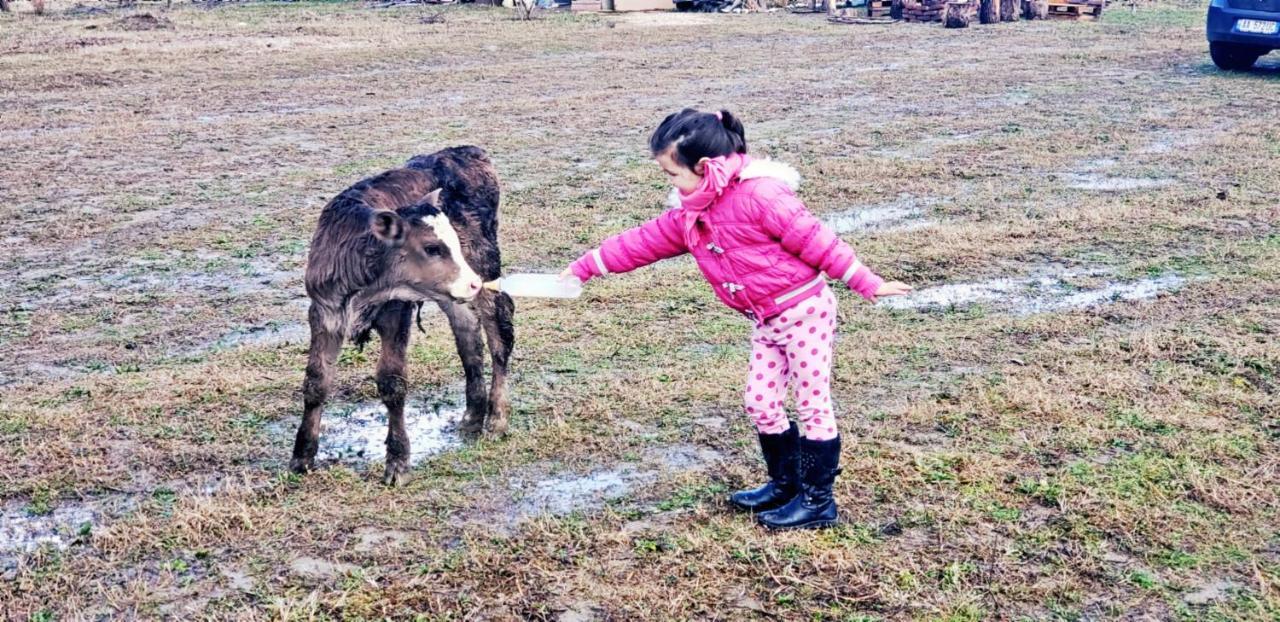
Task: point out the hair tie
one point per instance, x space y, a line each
719 115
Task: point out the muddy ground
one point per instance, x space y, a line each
1074 418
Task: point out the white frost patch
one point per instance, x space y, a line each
22 532
1026 296
360 435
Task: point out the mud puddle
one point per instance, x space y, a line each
1096 182
904 214
566 493
25 530
358 434
1037 294
265 335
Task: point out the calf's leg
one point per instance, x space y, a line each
466 332
393 325
315 388
497 312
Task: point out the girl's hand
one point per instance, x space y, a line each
568 272
892 288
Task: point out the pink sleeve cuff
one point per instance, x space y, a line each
863 281
588 266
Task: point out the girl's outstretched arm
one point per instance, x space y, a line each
786 218
658 239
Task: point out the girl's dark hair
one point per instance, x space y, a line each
696 135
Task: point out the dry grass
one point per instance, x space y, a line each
162 184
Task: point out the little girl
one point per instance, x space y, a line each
769 258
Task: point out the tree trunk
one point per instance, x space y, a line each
957 15
4 6
1037 9
989 11
895 10
1009 10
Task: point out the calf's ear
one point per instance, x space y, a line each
388 227
433 198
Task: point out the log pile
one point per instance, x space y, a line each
989 11
1009 10
959 13
923 10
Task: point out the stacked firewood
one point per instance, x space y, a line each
923 10
960 13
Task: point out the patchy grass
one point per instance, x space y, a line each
1086 463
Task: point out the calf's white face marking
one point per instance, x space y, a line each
468 283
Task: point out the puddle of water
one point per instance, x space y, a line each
266 335
370 538
1102 183
315 568
238 578
1183 139
54 372
1027 296
1117 292
958 294
710 422
68 286
685 457
21 532
926 147
1211 592
563 494
905 214
359 436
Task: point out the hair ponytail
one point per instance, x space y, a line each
693 135
737 133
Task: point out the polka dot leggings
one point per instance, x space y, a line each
794 349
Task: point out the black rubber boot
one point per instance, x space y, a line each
782 455
815 506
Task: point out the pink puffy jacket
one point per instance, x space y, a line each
758 246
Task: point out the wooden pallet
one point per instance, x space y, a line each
879 8
1073 10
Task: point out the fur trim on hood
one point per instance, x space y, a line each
764 167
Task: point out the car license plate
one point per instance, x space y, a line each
1257 26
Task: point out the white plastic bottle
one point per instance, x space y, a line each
537 286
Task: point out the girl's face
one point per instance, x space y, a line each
683 178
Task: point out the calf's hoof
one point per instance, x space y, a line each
302 466
496 427
395 474
471 425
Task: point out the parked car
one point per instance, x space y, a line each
1240 31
